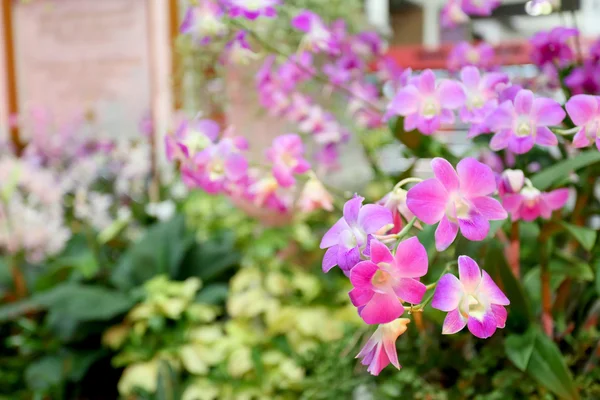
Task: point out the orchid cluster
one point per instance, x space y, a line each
374 244
385 268
216 162
328 53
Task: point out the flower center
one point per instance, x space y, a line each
523 129
348 239
473 56
430 108
457 208
476 101
217 170
288 160
253 5
530 196
476 309
381 279
196 141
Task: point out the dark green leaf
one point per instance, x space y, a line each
45 373
167 385
598 276
534 353
427 239
160 251
210 259
585 236
561 170
80 302
519 348
215 293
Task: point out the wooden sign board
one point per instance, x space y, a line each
110 60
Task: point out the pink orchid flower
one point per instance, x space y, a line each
525 122
219 165
530 203
317 36
314 196
204 21
481 96
475 301
464 54
382 283
252 9
349 237
287 155
480 7
457 200
238 51
380 349
453 15
584 111
190 138
426 104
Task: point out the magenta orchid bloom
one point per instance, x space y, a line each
475 301
525 122
382 283
584 79
252 9
349 237
190 138
457 200
238 51
530 203
552 47
219 165
204 21
584 111
317 36
453 14
287 156
380 349
480 7
425 104
481 96
465 54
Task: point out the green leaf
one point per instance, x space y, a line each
519 348
80 302
215 293
537 355
160 251
209 260
585 236
45 373
598 276
561 170
427 239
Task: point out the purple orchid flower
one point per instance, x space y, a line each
584 111
473 300
349 237
382 283
287 156
425 104
525 122
552 47
252 9
457 200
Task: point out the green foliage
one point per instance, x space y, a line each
537 355
560 170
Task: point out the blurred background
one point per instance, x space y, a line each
119 281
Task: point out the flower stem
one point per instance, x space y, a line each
406 229
560 131
264 43
407 180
